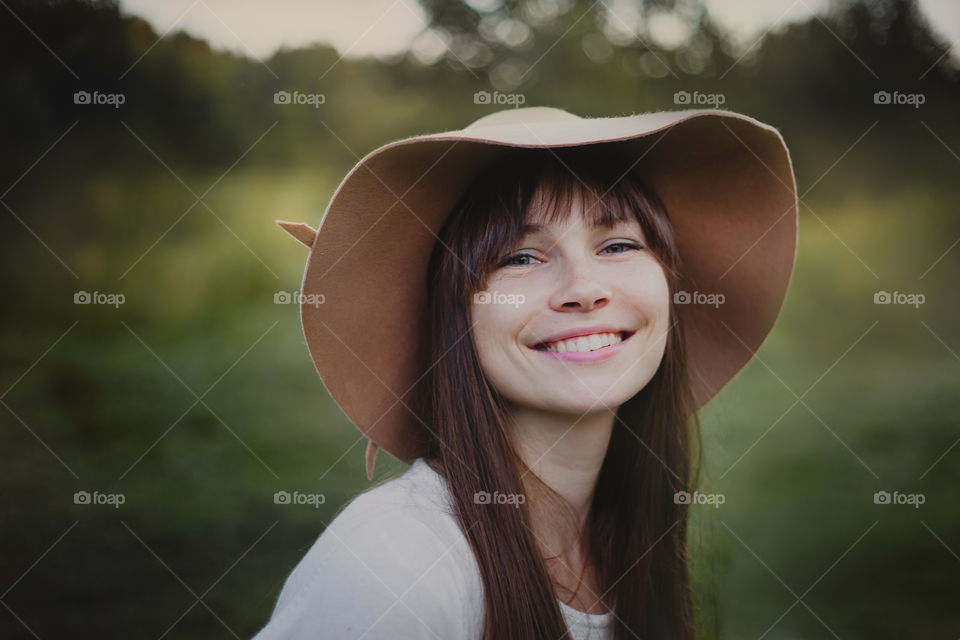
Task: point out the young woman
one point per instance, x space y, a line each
531 311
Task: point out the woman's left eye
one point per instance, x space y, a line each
628 246
510 261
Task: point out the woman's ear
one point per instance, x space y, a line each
299 230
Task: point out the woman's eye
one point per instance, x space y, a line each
627 246
517 258
513 260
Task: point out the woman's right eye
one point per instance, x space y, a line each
512 260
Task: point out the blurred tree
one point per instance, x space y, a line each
506 39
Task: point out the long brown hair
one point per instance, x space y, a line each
635 534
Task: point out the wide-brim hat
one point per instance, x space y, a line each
725 179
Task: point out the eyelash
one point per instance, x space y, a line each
507 261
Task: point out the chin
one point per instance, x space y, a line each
600 404
584 394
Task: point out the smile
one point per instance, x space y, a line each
585 348
583 344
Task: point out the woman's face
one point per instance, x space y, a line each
565 280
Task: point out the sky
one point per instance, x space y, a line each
358 28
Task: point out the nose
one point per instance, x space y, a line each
579 288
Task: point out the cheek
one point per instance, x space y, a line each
495 332
647 291
658 298
495 325
488 333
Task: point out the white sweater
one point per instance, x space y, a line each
394 564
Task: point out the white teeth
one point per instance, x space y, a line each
583 344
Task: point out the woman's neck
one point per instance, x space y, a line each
566 452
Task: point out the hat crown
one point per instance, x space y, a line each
523 115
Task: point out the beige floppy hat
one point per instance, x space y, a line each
728 186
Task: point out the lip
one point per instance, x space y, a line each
591 356
584 331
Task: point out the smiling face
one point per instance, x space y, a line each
568 278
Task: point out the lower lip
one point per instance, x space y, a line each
590 356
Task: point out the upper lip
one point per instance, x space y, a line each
584 331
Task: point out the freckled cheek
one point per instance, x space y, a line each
496 332
649 295
508 284
496 329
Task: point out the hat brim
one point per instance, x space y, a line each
726 180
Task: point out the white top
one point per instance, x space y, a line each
394 563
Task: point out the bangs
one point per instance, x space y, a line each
525 189
559 187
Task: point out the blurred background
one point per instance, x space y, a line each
157 393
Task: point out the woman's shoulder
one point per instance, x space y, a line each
419 494
392 563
